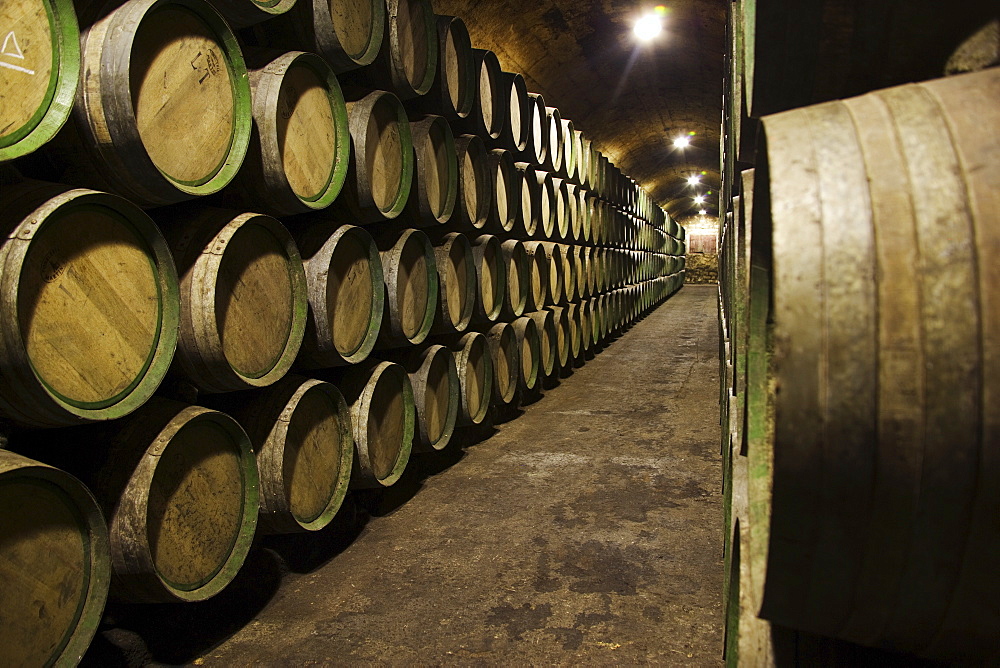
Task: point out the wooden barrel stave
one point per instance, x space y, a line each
411 282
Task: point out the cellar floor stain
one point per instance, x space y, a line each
583 528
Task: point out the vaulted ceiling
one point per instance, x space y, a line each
632 99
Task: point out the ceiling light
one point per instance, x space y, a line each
650 25
702 212
682 142
700 199
694 179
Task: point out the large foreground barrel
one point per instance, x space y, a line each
383 417
90 305
876 468
165 105
54 562
243 297
39 70
180 489
301 433
346 294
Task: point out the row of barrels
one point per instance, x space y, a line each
171 102
97 298
859 335
180 490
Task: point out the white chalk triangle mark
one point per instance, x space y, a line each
11 48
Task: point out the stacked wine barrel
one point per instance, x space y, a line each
858 341
349 192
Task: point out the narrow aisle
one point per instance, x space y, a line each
586 530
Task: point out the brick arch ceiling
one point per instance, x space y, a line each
632 100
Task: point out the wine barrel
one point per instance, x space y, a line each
569 148
554 131
505 352
538 277
538 143
475 374
179 487
582 162
453 92
245 13
382 167
560 208
585 211
575 233
576 326
489 114
527 201
529 351
435 189
597 317
555 271
301 147
502 196
54 561
436 392
456 267
407 63
411 282
345 291
39 71
560 320
518 279
491 271
587 340
347 34
898 484
300 429
474 186
516 131
165 107
244 301
382 414
586 162
545 228
548 346
89 305
569 269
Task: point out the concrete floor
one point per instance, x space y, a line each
586 530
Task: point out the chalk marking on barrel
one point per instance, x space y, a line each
12 49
